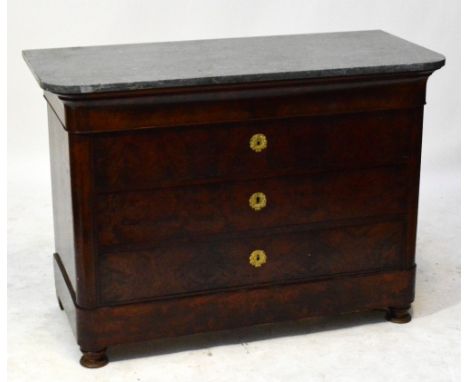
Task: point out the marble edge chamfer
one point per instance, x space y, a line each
428 65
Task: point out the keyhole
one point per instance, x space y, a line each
258 199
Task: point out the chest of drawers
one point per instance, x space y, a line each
208 185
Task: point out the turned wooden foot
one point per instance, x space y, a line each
60 304
399 315
94 359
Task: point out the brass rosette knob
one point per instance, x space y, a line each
258 258
258 142
257 201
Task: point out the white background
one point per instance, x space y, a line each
41 346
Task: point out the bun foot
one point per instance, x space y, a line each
94 359
399 315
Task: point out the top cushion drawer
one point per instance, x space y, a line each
162 157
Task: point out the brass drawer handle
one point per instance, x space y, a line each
258 142
258 258
257 201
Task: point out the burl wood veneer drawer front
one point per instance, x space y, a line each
153 158
147 217
192 266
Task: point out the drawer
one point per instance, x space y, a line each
172 156
195 266
147 217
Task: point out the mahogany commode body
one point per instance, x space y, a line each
172 216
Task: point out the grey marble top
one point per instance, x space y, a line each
206 62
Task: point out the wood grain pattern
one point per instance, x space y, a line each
147 217
82 186
61 194
159 192
194 265
123 111
198 154
112 325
